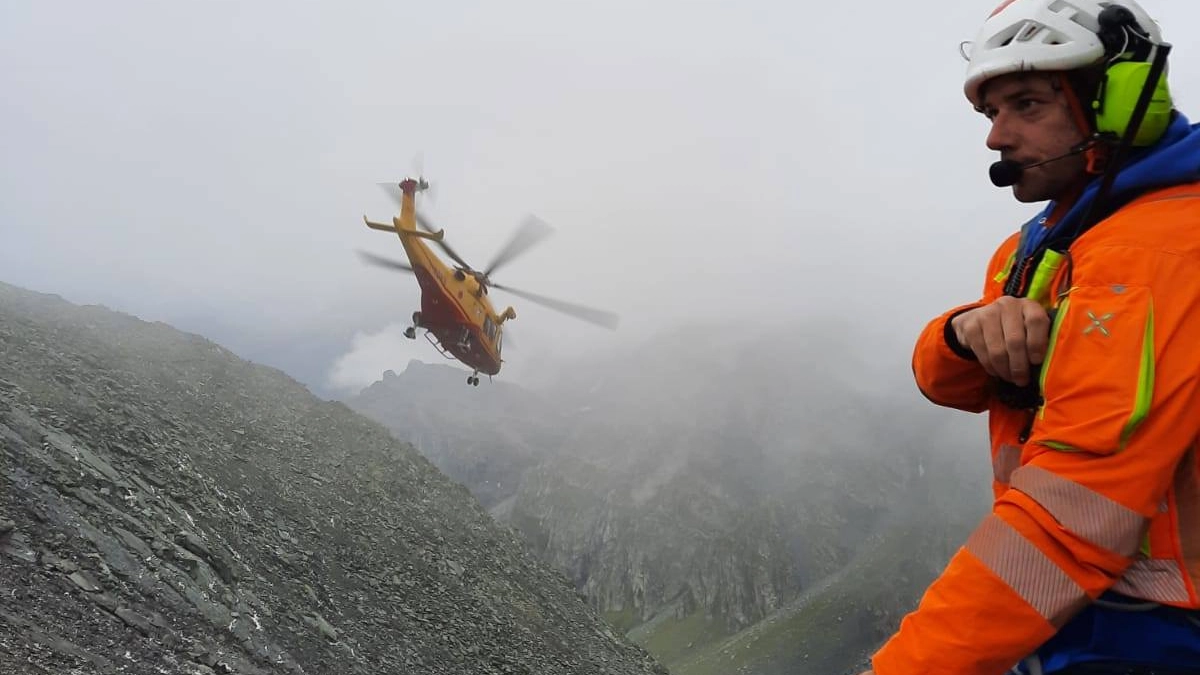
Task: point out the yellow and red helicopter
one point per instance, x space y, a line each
456 312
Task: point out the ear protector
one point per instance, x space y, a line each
1124 81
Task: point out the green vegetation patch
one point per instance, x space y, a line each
672 640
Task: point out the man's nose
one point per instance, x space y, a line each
1001 137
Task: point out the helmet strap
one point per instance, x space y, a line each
1075 85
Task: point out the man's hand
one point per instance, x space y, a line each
1008 336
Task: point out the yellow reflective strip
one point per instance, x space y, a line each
1033 576
1059 317
1085 512
1157 580
1145 385
1003 273
1061 447
1039 286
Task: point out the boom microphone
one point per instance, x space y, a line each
1007 172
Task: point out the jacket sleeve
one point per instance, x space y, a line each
1121 391
945 373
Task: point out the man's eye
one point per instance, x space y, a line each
1027 103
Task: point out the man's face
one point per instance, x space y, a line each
1032 121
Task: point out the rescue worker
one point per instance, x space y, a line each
1085 352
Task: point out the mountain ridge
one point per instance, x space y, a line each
169 506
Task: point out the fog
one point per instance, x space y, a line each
747 164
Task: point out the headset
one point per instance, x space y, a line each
1128 49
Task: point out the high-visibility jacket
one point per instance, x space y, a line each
1098 488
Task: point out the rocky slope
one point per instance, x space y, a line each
168 508
482 439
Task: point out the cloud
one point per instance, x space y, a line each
372 353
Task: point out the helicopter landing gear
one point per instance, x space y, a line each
473 379
411 331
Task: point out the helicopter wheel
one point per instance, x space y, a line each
410 333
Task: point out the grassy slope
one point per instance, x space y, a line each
831 629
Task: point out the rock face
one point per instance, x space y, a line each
167 507
482 439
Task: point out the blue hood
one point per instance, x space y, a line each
1173 160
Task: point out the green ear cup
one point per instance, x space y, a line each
1118 97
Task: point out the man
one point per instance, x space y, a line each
1085 352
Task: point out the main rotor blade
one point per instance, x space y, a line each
387 263
596 316
426 225
531 231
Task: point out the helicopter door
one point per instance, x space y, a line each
492 330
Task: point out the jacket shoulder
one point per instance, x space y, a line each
1158 226
1157 219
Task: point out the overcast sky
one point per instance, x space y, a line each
207 164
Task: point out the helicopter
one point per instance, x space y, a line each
456 311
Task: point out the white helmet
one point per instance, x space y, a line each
1025 35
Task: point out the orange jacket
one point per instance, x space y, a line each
1105 493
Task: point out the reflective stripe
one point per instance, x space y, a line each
1059 317
1034 577
1008 459
1145 382
1003 273
1085 512
1061 447
1157 580
1047 270
1187 508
